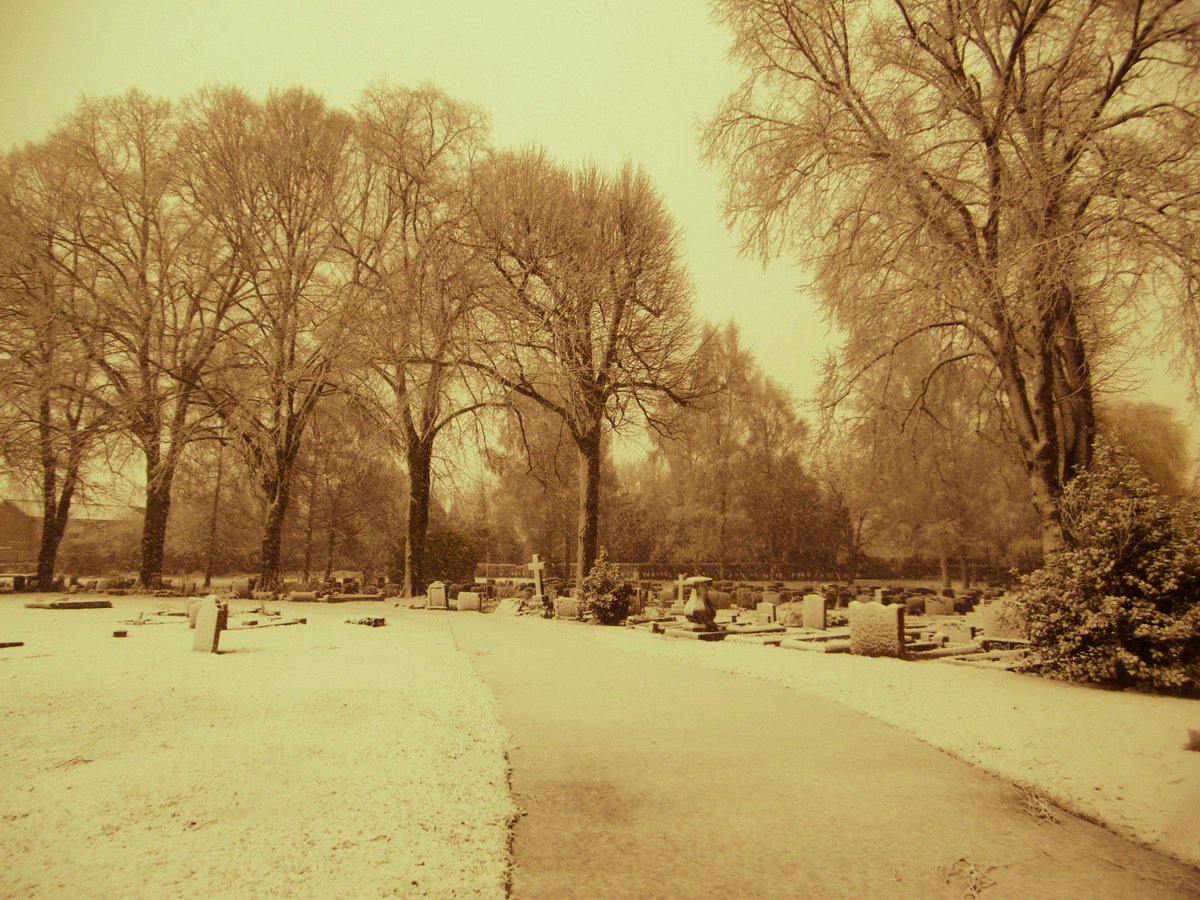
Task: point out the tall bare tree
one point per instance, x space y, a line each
1014 176
592 315
400 229
52 412
266 175
151 284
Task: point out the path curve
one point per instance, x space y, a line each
644 777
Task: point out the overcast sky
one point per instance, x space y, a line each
605 80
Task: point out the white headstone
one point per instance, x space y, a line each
467 601
210 619
437 596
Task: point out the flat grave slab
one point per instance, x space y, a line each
71 604
827 646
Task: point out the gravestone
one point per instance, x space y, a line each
813 611
720 599
771 597
566 608
537 567
436 596
211 619
769 610
877 630
939 606
467 601
743 597
914 605
698 609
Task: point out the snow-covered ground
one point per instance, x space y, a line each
319 760
331 759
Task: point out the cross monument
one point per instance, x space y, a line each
536 568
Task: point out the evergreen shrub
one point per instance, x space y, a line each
1121 607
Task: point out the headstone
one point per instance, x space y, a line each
771 597
566 608
720 599
813 611
878 595
743 597
914 605
769 610
510 606
877 630
467 601
437 596
536 567
939 606
698 609
680 587
211 618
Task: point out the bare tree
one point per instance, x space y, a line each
266 176
592 314
150 284
52 415
1014 176
400 224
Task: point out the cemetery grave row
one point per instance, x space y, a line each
870 620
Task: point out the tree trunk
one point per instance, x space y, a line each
277 493
56 506
419 455
330 539
589 504
212 518
308 528
154 524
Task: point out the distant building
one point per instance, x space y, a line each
21 528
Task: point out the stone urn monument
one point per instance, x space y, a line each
697 609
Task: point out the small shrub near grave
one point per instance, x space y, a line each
606 592
1123 608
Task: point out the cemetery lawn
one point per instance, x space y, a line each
319 760
329 759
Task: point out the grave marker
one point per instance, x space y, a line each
536 568
812 613
877 630
467 601
211 618
436 596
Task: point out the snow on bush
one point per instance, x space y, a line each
1122 608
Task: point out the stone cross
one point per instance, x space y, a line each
679 588
536 568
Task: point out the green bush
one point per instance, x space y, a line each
1122 608
606 591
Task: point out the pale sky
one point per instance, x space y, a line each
602 80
